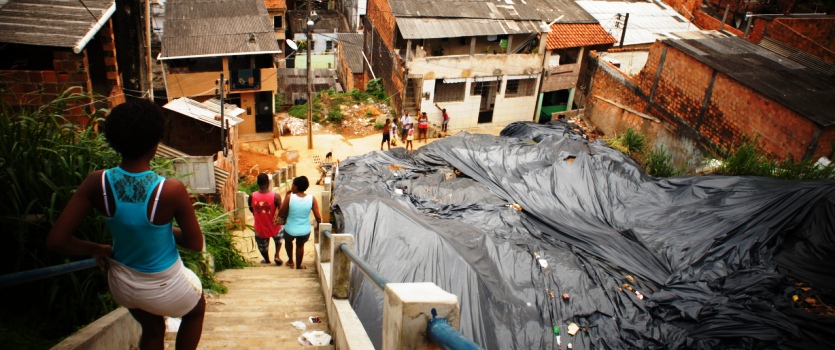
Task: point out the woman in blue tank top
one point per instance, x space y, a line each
296 207
145 273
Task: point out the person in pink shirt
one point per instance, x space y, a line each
263 204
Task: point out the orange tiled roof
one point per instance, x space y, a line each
565 35
275 4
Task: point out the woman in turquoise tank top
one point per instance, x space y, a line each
296 207
145 273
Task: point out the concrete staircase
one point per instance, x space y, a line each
257 311
409 100
262 302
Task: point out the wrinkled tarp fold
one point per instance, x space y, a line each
715 257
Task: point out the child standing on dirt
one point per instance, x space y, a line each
394 133
386 134
410 135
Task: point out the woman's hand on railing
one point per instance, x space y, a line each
103 255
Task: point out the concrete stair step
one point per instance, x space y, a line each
264 306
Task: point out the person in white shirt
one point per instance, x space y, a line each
405 124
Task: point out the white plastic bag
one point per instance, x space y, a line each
299 325
315 338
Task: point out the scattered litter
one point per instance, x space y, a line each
630 279
543 263
556 330
639 295
573 328
565 297
398 191
172 324
515 206
315 319
315 338
299 325
570 346
558 341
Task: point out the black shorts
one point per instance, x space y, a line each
300 240
386 137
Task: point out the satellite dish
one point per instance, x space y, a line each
292 45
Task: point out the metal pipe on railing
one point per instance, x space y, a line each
366 270
45 272
443 335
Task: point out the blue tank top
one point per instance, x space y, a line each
298 217
137 242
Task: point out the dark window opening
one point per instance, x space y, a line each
449 92
520 87
277 22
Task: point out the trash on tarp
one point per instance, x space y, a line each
573 328
299 325
315 338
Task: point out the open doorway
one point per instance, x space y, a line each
264 111
487 90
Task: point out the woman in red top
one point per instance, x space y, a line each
423 126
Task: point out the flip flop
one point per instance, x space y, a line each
290 264
301 267
278 262
265 262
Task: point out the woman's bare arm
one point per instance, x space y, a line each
61 238
191 236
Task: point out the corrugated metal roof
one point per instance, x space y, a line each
217 28
533 10
430 28
797 55
792 84
565 35
351 46
52 22
646 20
206 111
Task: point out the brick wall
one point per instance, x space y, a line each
110 62
757 31
707 22
791 31
387 63
734 111
39 87
688 8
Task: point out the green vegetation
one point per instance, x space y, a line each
659 163
326 104
247 187
43 159
630 142
747 159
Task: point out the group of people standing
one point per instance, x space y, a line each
407 128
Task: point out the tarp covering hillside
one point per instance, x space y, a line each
716 259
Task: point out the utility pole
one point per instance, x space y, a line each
223 124
623 34
149 32
725 17
309 80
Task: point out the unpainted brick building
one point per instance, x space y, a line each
698 95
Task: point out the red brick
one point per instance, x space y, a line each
50 76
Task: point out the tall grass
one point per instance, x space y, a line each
659 163
43 159
630 142
748 159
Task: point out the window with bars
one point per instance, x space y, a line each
449 92
520 87
480 87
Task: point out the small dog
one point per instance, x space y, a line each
329 156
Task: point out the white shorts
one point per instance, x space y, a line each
173 292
